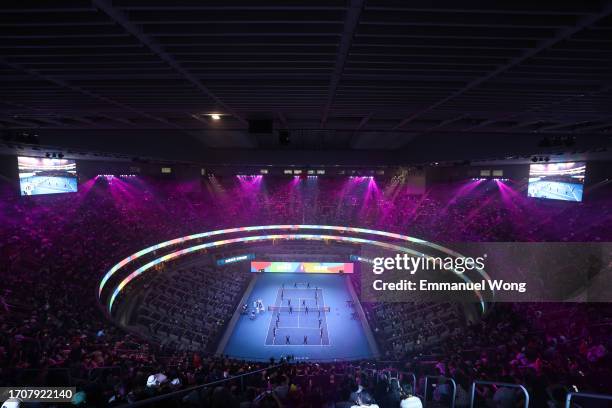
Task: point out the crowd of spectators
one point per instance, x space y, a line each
54 249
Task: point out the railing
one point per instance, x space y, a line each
508 385
180 393
453 393
349 370
570 395
412 376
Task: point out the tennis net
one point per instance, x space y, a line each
285 309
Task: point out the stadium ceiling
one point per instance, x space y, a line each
339 74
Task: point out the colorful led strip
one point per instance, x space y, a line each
314 237
186 238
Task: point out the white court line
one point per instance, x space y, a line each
270 323
307 298
326 326
299 299
299 327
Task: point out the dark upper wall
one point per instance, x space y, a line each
432 147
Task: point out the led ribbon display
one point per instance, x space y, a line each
315 237
175 241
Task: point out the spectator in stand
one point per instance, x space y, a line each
409 400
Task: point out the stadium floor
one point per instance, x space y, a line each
343 337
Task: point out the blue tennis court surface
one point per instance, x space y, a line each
308 316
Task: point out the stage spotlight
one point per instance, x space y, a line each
215 116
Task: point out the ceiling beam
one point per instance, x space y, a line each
605 88
116 119
20 123
283 120
482 124
122 19
82 91
432 128
348 33
53 122
563 125
201 119
444 123
596 127
525 124
44 115
561 35
363 121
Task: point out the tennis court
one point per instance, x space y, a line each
343 335
299 317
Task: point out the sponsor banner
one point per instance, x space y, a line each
302 267
239 258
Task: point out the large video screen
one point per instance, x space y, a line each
39 175
302 267
557 181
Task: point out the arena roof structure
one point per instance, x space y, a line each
337 74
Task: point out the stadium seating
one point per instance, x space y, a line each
63 245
